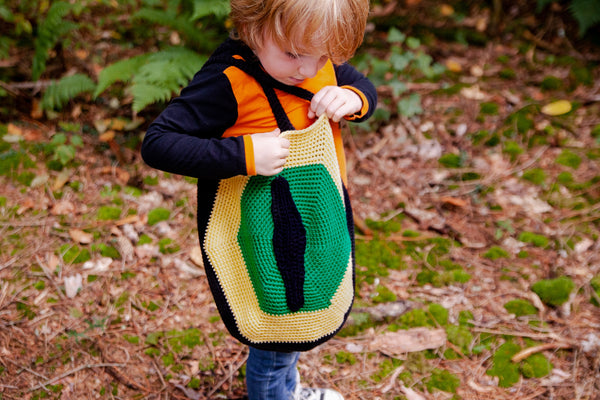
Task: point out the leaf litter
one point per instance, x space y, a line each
120 326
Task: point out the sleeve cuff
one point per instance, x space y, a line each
249 152
365 104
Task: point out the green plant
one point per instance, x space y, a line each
157 215
50 30
520 307
554 292
65 89
154 77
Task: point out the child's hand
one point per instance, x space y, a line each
270 152
334 101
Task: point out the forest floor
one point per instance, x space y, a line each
461 209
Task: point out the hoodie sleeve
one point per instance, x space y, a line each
347 76
186 138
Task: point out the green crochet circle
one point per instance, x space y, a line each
328 243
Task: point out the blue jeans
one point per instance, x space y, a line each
271 375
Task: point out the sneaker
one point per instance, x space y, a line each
317 394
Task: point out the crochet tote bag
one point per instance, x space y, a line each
280 249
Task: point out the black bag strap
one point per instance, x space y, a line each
251 66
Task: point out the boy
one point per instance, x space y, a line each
222 124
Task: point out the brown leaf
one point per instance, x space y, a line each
407 341
80 236
453 201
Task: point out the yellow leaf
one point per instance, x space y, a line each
106 136
559 107
446 10
453 66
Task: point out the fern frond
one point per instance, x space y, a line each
586 12
203 8
50 30
145 94
166 71
60 92
122 71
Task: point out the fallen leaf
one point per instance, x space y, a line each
559 107
411 394
61 179
454 201
99 265
106 136
453 66
473 93
73 285
63 207
80 236
407 341
196 256
446 10
26 205
37 112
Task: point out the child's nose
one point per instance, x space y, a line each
309 67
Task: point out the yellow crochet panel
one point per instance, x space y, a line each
313 145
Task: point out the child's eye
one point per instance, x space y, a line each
291 55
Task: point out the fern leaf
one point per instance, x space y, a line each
122 71
145 94
50 30
60 92
164 74
586 12
203 8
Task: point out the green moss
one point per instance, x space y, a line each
461 337
157 215
344 357
72 254
439 313
442 379
507 372
554 292
569 159
488 108
513 149
520 307
551 83
168 246
496 252
595 284
384 295
451 161
537 176
535 366
507 73
107 213
534 239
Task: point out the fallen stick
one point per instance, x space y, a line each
523 354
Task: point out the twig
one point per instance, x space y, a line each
71 372
524 334
227 376
523 354
392 380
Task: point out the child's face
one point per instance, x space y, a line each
286 67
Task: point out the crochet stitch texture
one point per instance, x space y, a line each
282 248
